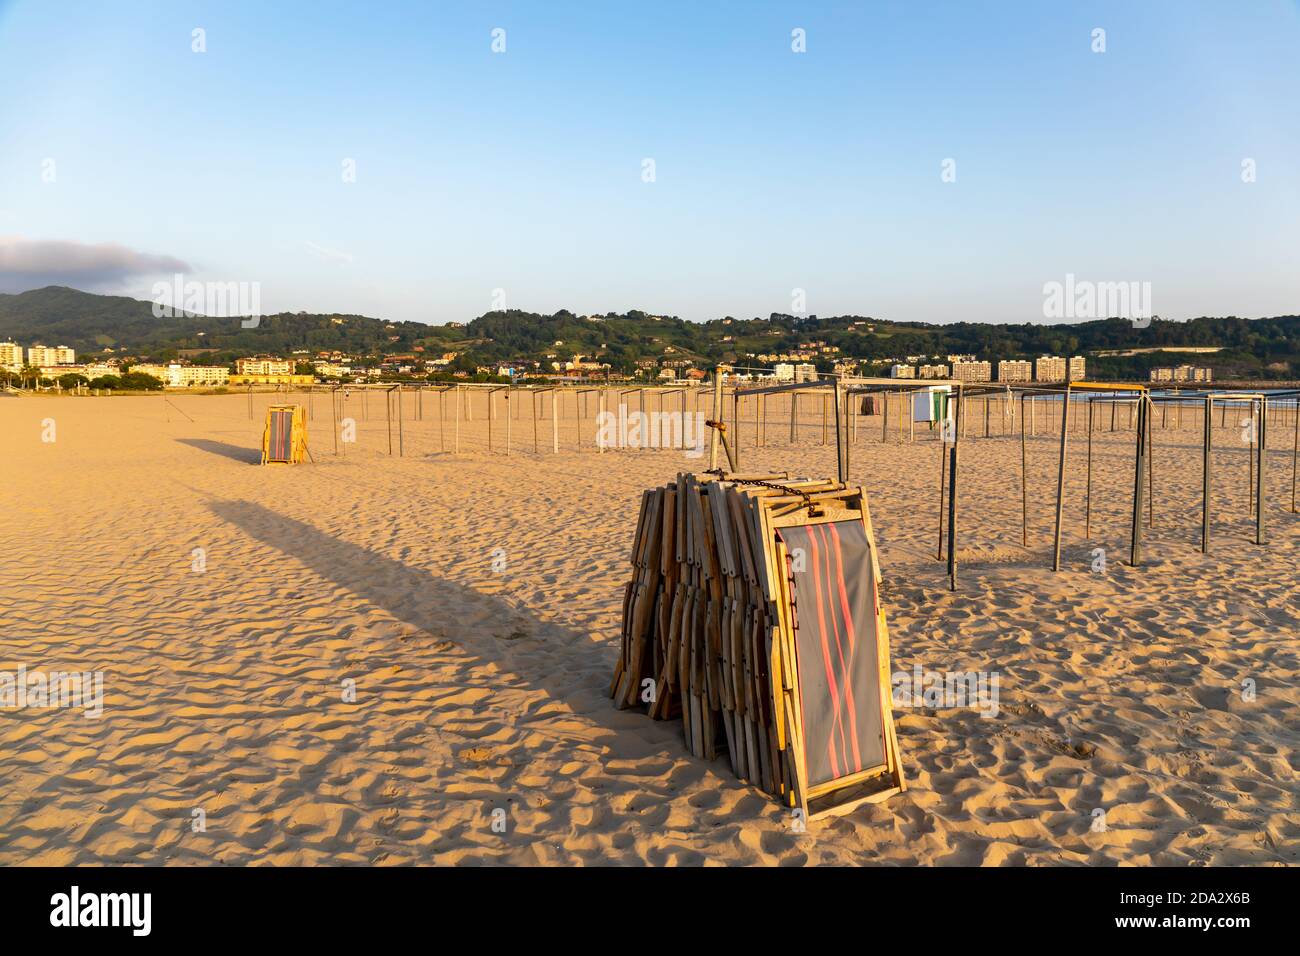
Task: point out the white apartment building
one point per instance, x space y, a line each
270 366
11 355
933 371
784 372
902 371
1076 368
1015 370
1181 373
185 376
1049 368
334 370
972 371
39 355
805 372
54 371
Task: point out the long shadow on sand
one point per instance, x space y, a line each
482 625
250 456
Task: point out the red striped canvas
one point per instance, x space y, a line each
833 592
281 446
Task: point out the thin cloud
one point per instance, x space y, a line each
34 263
329 255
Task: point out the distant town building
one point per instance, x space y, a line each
288 379
263 365
933 371
784 372
39 355
55 371
176 375
1015 370
1076 368
11 355
805 373
94 370
972 371
1181 373
902 371
331 369
1049 368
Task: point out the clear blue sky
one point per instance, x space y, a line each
774 170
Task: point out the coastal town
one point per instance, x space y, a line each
40 366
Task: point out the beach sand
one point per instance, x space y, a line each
372 654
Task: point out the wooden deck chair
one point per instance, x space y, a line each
284 440
737 634
834 636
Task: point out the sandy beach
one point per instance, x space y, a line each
358 660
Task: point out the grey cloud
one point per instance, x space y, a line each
33 263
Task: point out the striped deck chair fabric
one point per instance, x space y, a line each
281 443
833 591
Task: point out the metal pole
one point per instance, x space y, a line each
1024 479
1262 457
600 416
683 429
848 434
943 486
842 465
1295 447
1060 479
952 517
1206 430
717 416
1151 464
1250 458
1139 478
1087 495
735 421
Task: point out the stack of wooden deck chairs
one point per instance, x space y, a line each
284 439
753 616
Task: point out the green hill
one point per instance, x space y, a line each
1265 349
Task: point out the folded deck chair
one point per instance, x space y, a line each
284 440
753 615
841 660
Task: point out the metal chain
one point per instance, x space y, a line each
758 483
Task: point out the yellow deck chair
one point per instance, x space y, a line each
284 442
